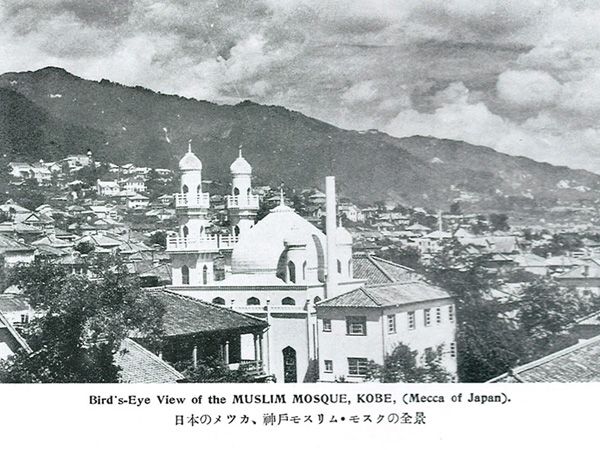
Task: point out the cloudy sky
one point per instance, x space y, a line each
521 76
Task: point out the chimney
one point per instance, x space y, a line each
331 284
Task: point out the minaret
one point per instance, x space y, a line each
191 203
330 229
241 204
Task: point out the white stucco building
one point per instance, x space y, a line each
277 269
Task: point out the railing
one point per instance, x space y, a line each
249 367
257 309
191 200
208 242
242 201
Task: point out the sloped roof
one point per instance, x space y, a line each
13 302
591 266
379 271
185 315
576 364
9 244
139 365
387 295
5 323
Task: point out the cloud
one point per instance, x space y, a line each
528 88
362 92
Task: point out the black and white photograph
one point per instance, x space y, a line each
299 191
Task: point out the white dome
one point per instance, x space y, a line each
240 166
261 247
190 162
342 236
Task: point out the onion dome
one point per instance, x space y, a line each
190 161
240 166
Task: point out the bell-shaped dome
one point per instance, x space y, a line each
240 166
260 248
190 161
342 236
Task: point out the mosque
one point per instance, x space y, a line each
276 269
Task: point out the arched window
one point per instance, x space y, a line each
339 266
185 189
317 299
186 231
304 270
199 189
248 191
205 275
236 191
350 267
320 259
236 230
292 272
253 301
288 301
185 275
218 301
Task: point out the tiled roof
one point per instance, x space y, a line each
379 271
387 295
590 269
9 244
139 365
576 364
186 315
13 302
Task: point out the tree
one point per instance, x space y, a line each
82 324
405 256
158 238
546 311
213 370
499 222
402 366
455 209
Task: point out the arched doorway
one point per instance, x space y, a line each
289 365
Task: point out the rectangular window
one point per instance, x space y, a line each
427 317
391 323
438 315
328 366
356 325
451 313
24 318
327 325
357 366
411 320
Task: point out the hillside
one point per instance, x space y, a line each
50 113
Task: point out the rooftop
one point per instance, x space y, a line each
139 365
379 271
576 364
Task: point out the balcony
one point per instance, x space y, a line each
213 242
242 201
190 200
250 367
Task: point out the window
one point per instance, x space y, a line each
328 366
253 301
350 268
218 301
205 275
451 313
304 271
326 325
236 191
411 320
185 275
339 266
357 366
184 189
186 231
24 318
288 301
292 272
438 315
236 230
356 325
453 349
427 317
391 323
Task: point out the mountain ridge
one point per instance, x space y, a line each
135 124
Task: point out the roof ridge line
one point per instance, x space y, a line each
376 264
530 365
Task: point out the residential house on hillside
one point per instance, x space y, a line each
585 277
10 340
